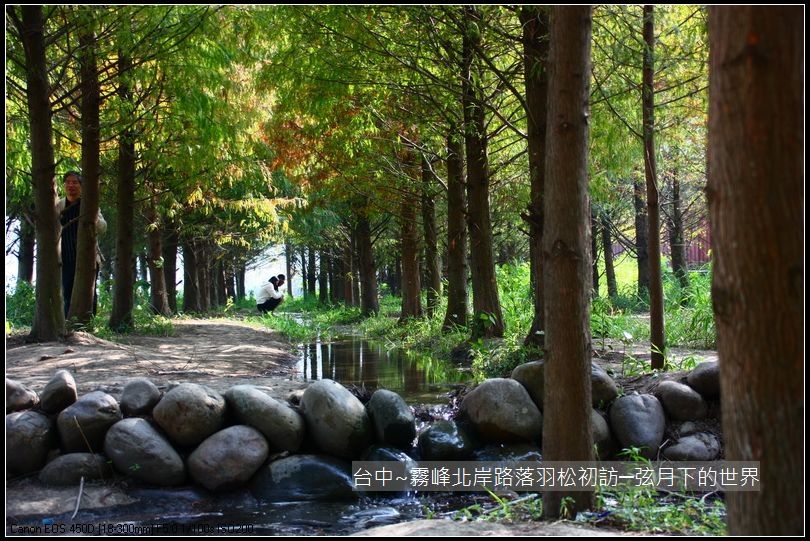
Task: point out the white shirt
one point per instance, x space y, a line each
268 291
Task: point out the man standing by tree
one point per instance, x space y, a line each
69 208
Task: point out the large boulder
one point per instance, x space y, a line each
83 424
68 470
445 440
501 411
602 438
705 379
138 450
531 375
680 401
638 421
304 477
29 439
189 413
336 419
59 393
19 397
281 425
603 389
700 447
139 396
228 458
393 420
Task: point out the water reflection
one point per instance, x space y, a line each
354 361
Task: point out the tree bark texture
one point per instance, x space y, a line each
191 285
488 319
124 280
25 255
534 20
642 231
170 240
457 302
657 341
84 284
677 248
607 250
411 279
49 317
369 303
433 271
158 298
756 206
289 261
566 252
323 284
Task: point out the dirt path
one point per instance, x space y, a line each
217 353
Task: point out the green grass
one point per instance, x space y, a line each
637 509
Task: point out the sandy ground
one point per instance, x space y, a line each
216 353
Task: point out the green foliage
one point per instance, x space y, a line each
690 316
498 360
500 509
419 334
643 509
20 306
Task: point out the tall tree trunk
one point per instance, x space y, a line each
204 275
323 285
356 275
348 273
395 276
49 317
170 241
657 341
25 256
124 281
191 284
369 304
241 293
230 279
433 271
329 261
457 302
304 272
756 203
311 276
677 248
158 298
219 283
607 249
488 319
534 20
566 420
338 289
594 255
84 285
289 260
411 282
642 232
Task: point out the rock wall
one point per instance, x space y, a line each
302 449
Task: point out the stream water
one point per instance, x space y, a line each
418 378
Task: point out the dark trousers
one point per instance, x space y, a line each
269 305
